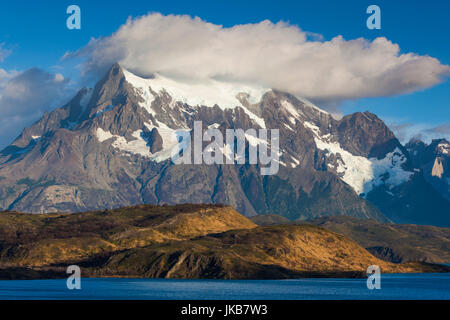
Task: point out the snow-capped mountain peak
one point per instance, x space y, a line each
361 173
443 148
111 146
207 93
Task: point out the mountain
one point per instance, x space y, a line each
183 241
434 161
110 146
424 198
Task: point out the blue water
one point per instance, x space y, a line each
393 287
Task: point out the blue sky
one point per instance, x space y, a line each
34 35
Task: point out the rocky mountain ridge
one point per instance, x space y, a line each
434 160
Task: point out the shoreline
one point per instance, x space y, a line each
23 273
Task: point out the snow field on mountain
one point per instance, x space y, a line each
363 174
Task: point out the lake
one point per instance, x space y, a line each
393 287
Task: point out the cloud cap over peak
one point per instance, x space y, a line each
276 55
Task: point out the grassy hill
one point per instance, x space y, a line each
184 241
269 219
391 242
38 240
266 252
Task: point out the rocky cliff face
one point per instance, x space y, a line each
434 161
110 146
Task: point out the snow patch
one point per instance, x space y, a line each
143 87
140 146
296 162
103 135
260 121
288 127
315 129
361 173
214 126
170 140
254 141
137 146
443 148
291 109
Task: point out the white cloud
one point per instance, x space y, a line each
59 77
24 97
4 78
277 55
3 52
405 131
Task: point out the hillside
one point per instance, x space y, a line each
393 242
269 219
183 241
37 240
275 252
